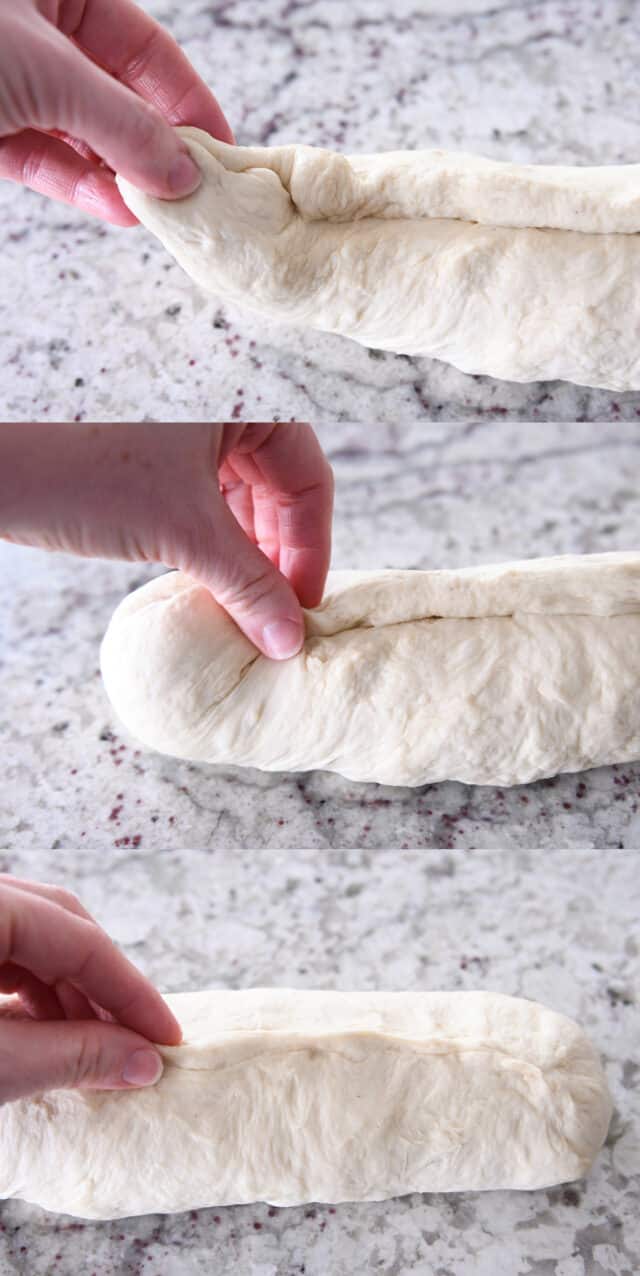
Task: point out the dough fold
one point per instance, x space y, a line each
292 1096
491 675
516 271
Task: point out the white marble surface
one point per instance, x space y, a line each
451 496
560 928
99 323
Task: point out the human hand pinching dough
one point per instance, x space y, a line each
89 89
520 272
244 509
74 1012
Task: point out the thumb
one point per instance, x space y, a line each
76 96
251 589
38 1055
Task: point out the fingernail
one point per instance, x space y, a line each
143 1067
282 639
184 175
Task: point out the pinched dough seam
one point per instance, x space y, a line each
361 214
178 598
389 1044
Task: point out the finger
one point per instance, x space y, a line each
125 130
88 1055
36 999
56 945
74 1004
53 168
57 894
77 145
290 471
250 588
142 54
239 498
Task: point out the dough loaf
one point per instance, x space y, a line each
517 271
490 675
291 1096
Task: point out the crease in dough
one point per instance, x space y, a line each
501 674
293 1096
524 272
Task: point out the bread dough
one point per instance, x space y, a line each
517 271
489 675
290 1096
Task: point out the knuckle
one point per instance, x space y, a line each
86 1063
66 899
248 593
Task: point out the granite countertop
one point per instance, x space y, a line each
457 495
99 323
563 931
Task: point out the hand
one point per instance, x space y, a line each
246 509
82 1015
92 87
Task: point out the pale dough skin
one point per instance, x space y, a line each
516 271
491 675
292 1096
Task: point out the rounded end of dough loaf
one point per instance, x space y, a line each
169 656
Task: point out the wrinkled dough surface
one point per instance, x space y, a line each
294 1096
517 271
491 675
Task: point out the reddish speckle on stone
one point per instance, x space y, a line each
272 1211
216 1218
192 363
136 839
257 1226
524 798
581 790
567 806
73 771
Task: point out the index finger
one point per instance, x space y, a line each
143 55
54 944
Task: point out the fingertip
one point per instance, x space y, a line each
184 176
142 1068
282 638
172 1036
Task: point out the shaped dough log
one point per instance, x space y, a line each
491 675
290 1096
516 271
